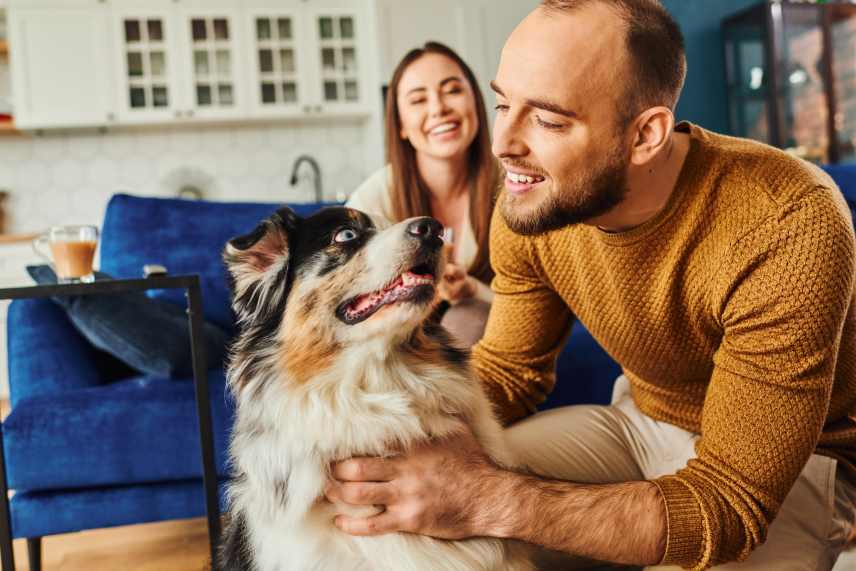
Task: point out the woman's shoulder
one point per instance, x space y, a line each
372 196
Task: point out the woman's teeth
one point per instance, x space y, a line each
444 128
523 179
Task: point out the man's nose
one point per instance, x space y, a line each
507 141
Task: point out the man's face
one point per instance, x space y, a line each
557 129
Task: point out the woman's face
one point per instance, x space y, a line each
437 107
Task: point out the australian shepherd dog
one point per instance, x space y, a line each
336 358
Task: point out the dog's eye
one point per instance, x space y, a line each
345 235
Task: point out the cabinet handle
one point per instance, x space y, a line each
318 109
111 116
177 114
188 113
307 108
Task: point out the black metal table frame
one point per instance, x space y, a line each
190 284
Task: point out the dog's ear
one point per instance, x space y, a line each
258 262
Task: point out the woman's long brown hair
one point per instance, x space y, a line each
410 194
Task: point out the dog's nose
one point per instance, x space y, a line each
425 228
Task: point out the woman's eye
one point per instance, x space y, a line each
417 101
345 235
501 107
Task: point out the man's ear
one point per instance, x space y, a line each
258 263
652 132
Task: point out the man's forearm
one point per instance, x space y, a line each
622 523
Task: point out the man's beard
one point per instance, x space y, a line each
591 194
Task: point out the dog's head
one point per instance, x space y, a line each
321 283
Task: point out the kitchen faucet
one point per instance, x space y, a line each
316 174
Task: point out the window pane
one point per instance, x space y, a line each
326 28
138 97
224 94
266 61
132 31
159 96
224 63
346 26
155 28
289 92
198 30
286 58
203 94
263 28
135 64
328 59
268 93
331 91
284 25
158 64
221 29
200 63
351 91
349 60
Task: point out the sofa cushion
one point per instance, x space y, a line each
186 236
149 335
36 514
132 431
47 355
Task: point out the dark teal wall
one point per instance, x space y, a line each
703 101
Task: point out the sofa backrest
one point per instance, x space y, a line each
186 236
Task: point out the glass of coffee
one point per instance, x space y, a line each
72 251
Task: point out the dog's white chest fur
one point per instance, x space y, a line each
285 441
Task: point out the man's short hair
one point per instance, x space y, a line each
655 49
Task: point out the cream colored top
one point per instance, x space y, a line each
373 198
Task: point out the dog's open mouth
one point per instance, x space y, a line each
416 284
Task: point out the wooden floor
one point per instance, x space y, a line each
168 546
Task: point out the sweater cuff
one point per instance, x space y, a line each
505 407
685 540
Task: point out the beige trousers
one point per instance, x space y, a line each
617 443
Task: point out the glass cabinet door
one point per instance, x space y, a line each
147 64
843 41
276 59
212 58
748 80
337 44
801 86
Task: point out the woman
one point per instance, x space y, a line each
440 165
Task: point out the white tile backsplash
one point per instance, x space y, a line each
67 178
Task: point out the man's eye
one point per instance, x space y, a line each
345 235
548 125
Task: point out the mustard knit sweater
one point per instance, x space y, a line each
730 313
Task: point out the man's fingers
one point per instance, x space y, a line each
361 493
385 522
364 470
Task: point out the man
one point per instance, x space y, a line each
718 272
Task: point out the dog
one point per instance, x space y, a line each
336 358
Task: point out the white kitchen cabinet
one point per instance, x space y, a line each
310 58
178 60
61 69
129 62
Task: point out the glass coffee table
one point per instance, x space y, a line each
189 283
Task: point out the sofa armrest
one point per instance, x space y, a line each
46 353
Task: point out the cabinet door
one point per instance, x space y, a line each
337 58
275 45
212 59
60 67
146 44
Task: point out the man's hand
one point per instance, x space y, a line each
435 489
456 284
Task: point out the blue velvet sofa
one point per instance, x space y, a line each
88 445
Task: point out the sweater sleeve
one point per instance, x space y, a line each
781 302
516 358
